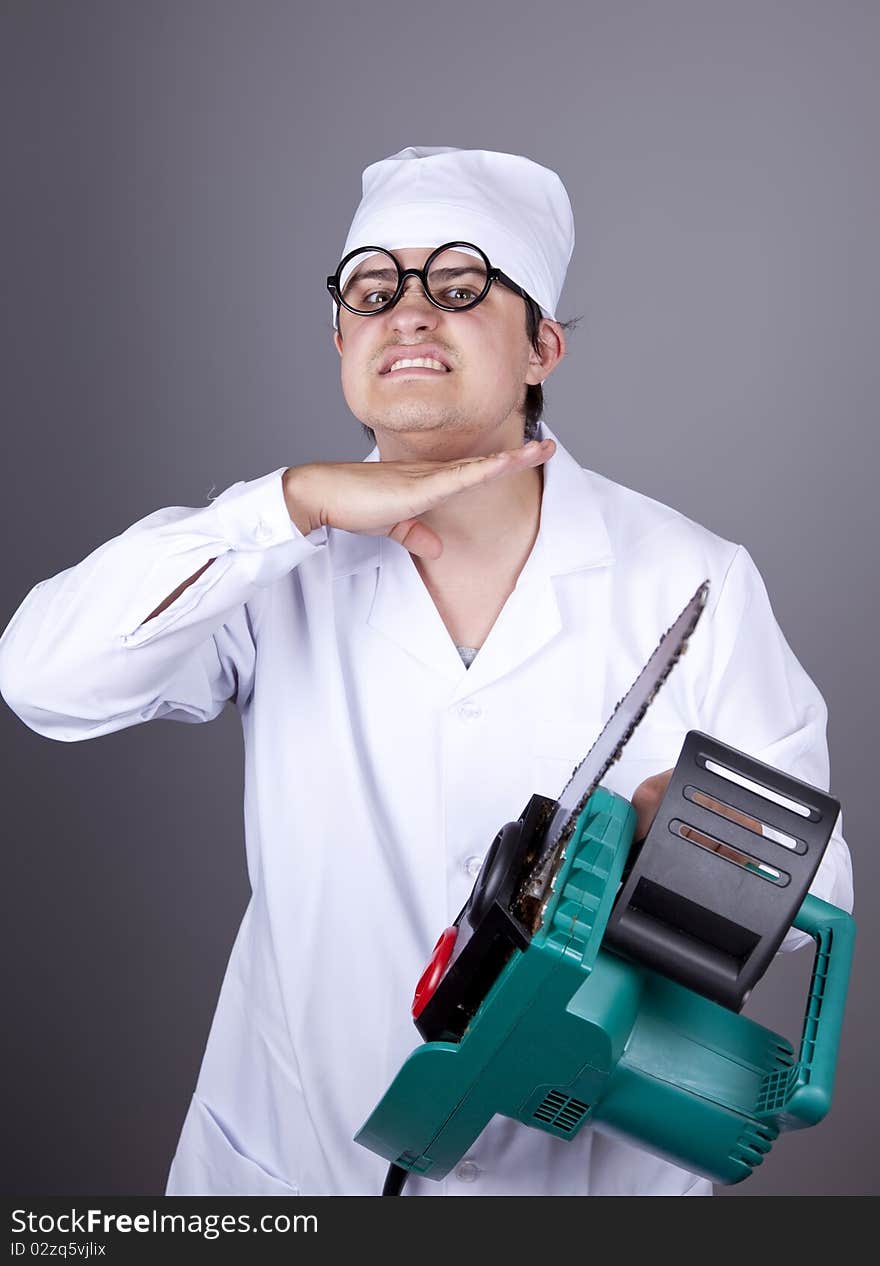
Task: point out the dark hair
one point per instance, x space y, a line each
533 404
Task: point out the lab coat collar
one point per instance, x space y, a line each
573 530
572 533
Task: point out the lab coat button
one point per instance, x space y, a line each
467 1171
473 865
470 711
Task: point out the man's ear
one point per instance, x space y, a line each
551 338
337 340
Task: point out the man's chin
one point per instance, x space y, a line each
428 438
415 415
417 425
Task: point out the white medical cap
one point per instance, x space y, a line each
513 209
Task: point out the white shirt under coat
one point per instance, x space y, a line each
378 770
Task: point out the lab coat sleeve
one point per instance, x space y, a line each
759 699
78 660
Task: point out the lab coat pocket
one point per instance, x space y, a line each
558 746
651 750
208 1163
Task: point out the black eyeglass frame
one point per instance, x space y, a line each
492 274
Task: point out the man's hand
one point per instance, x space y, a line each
386 498
646 801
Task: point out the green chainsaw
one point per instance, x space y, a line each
594 979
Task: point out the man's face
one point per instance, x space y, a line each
474 404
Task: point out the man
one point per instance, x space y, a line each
339 605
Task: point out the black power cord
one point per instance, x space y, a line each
394 1180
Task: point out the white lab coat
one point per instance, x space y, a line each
378 770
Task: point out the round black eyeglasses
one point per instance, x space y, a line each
455 277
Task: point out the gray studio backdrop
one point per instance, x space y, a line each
178 181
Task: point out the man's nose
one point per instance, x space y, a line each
414 306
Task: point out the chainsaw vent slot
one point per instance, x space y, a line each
560 1111
754 1143
734 776
755 825
703 840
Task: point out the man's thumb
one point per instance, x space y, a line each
418 538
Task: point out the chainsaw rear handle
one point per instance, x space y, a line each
801 1096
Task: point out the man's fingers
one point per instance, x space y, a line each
471 471
531 454
646 801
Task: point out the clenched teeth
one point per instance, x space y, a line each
421 362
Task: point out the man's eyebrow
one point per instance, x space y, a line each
372 274
448 273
